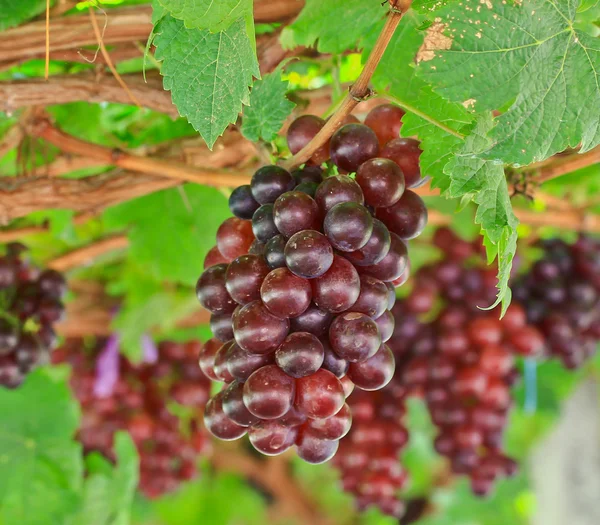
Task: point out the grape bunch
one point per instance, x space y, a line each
462 362
30 304
299 286
136 398
561 294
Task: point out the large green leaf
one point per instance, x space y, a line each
172 230
268 109
334 26
41 467
14 12
208 74
526 55
208 14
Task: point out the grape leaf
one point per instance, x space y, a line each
208 14
41 468
486 181
172 230
268 109
488 55
335 27
208 74
14 12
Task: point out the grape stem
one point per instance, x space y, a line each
359 90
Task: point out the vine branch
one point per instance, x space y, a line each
359 90
87 254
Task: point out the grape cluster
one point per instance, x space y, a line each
463 361
30 304
561 294
138 402
299 287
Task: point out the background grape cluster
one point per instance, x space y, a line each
300 285
140 399
30 304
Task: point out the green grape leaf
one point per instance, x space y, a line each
14 12
526 56
486 181
268 109
209 74
172 230
208 14
335 27
41 468
158 12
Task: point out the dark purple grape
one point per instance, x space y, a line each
233 405
300 355
353 144
308 254
319 395
386 323
272 437
10 373
220 364
285 294
376 248
257 248
52 284
333 362
218 423
234 237
375 372
221 327
241 202
310 188
407 218
335 190
385 121
29 353
8 337
338 288
257 330
314 450
50 311
302 131
244 277
214 257
242 364
269 182
308 174
354 337
269 392
206 359
381 181
392 265
274 251
263 223
212 292
312 320
295 211
373 299
405 153
348 226
332 428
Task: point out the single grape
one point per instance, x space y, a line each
214 257
220 364
241 202
257 330
257 248
272 437
244 278
348 226
333 362
295 211
263 223
376 248
233 405
309 188
314 450
242 364
312 320
373 299
269 392
386 323
385 121
52 284
308 174
212 291
300 355
407 218
381 181
332 428
274 252
354 337
375 372
221 327
392 266
338 288
319 395
234 237
405 153
218 423
353 144
285 294
308 254
207 358
269 182
334 190
302 131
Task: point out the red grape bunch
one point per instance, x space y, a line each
463 361
30 304
561 294
117 395
299 287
